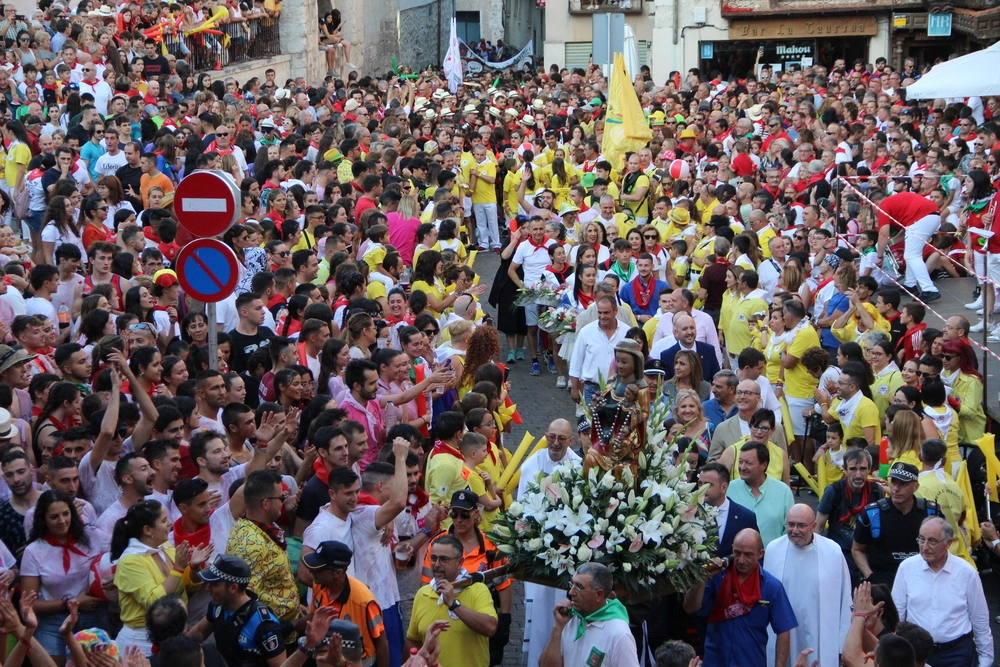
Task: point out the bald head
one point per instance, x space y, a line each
559 438
685 330
748 549
463 306
800 524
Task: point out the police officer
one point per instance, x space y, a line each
887 530
246 631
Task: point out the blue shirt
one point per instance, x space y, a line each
770 508
714 413
91 152
627 295
837 302
742 641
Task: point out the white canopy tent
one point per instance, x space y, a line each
973 75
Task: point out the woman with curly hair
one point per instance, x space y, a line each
482 348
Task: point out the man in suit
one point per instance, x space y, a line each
732 517
735 428
685 331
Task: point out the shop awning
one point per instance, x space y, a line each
975 74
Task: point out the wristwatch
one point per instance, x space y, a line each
454 605
308 652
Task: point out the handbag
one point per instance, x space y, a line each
22 200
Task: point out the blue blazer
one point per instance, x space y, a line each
709 360
739 518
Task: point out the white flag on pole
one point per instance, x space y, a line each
453 61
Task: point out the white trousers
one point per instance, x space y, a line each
487 233
916 237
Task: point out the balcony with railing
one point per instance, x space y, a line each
239 42
596 6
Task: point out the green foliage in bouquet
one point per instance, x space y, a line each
650 531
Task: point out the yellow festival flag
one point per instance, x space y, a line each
971 515
625 128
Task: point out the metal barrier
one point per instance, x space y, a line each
241 41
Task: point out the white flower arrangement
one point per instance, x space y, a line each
656 535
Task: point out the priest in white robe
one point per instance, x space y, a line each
540 600
814 573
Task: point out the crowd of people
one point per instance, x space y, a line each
323 487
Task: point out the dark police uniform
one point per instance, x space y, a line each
891 536
249 636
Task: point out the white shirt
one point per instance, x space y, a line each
723 517
106 523
375 567
108 165
594 351
220 525
38 306
102 93
45 561
612 639
167 500
327 526
99 488
532 260
769 272
948 603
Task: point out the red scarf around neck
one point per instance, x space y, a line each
69 546
859 508
365 499
198 538
442 448
543 245
643 295
321 472
585 300
736 598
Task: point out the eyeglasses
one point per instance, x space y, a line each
283 497
577 587
558 438
929 541
761 428
442 559
744 392
460 514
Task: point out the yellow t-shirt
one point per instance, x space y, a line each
17 153
775 464
703 210
703 249
465 165
511 184
485 193
445 475
478 487
764 239
434 289
459 645
737 327
883 389
639 208
865 415
799 383
951 437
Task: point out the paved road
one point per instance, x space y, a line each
539 402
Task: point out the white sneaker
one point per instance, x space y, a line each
561 382
994 336
978 303
979 326
979 311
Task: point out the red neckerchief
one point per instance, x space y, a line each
420 498
736 598
854 511
721 260
271 530
823 283
442 448
214 148
643 295
560 275
538 246
408 318
417 374
340 302
69 546
585 300
319 468
169 250
61 426
198 538
365 499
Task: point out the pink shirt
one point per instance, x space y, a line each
371 418
403 235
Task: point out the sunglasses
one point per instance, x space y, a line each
431 332
948 357
283 253
141 325
651 238
460 514
222 134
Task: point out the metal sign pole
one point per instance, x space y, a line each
213 338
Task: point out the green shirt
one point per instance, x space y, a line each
770 508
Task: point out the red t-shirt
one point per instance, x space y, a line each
905 208
362 205
743 165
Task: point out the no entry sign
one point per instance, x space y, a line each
207 203
207 270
